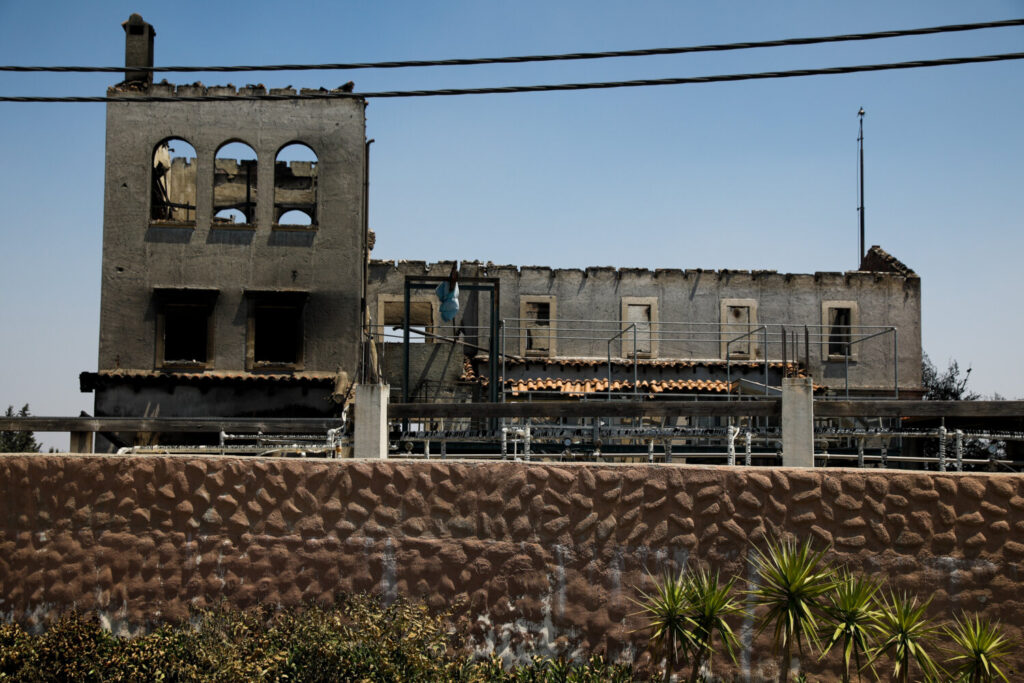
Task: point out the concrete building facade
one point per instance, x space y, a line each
858 331
206 316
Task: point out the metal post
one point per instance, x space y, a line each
807 349
748 438
444 448
765 351
732 432
847 368
526 440
405 351
426 449
860 144
636 384
942 449
860 452
650 450
504 443
895 363
959 451
885 456
668 450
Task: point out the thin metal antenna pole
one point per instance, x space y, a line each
860 145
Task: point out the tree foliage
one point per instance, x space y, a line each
18 442
949 385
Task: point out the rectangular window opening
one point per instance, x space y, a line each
840 321
184 322
639 315
538 326
276 331
421 320
186 332
278 334
737 324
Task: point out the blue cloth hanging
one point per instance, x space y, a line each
449 301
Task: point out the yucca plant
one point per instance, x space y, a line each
979 647
667 612
791 582
852 611
709 603
905 633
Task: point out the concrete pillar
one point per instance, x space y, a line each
797 422
371 438
81 442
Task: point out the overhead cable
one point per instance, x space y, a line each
949 28
129 97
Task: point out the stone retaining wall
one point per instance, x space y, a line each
543 557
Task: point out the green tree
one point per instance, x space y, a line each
18 442
949 385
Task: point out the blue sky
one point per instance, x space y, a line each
741 175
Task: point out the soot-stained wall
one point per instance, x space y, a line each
543 557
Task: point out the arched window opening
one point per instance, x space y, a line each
173 183
234 185
295 185
295 217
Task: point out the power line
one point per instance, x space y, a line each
128 98
949 28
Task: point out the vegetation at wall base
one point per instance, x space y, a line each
357 639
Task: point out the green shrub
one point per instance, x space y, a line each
357 639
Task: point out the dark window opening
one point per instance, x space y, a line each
186 333
278 334
275 329
234 185
639 315
185 327
839 322
173 182
538 326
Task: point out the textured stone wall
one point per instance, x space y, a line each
542 556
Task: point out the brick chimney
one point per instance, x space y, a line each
138 49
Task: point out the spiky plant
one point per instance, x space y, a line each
709 603
979 647
666 612
790 584
852 611
905 632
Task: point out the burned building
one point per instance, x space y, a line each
236 281
230 286
574 333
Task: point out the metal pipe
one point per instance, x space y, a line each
733 432
942 449
959 451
